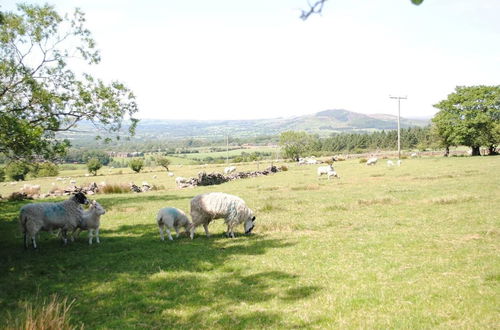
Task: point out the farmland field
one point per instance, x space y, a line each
416 246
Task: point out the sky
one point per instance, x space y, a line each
255 59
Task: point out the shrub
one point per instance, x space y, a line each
93 165
115 189
136 164
2 174
363 160
17 170
45 170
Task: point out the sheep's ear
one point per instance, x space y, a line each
253 219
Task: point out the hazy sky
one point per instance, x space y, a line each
247 59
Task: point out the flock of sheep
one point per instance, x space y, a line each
69 216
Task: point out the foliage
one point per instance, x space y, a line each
163 162
115 189
45 169
470 116
295 144
82 156
93 165
17 170
40 95
2 174
136 164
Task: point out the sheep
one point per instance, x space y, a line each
328 170
172 218
91 221
170 174
229 169
180 180
65 215
216 205
390 163
372 161
399 162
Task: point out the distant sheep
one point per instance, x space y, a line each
217 205
65 215
170 174
390 163
328 171
372 161
229 169
172 218
180 180
399 162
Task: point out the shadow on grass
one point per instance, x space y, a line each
132 279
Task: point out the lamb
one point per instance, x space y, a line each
229 169
91 221
372 161
172 218
217 205
65 215
328 170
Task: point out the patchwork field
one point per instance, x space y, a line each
416 246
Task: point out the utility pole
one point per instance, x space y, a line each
399 98
227 149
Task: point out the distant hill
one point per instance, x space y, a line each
323 123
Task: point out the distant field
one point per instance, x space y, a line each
416 246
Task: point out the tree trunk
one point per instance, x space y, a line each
492 150
476 151
447 151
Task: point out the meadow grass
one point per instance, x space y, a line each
415 246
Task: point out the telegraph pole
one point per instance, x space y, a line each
399 98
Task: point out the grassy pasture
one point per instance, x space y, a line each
415 246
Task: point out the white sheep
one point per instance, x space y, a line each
372 161
180 180
229 169
217 205
170 174
399 162
328 170
91 221
172 218
65 215
390 163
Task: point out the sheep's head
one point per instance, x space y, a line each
81 198
249 224
97 208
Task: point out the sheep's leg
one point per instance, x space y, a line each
33 240
177 231
160 228
90 236
205 226
97 236
64 233
168 233
191 231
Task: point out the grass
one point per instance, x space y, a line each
405 247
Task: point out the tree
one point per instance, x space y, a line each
93 165
295 144
136 164
163 162
40 95
470 116
45 169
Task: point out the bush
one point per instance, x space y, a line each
45 170
2 174
363 160
136 164
93 165
115 189
17 170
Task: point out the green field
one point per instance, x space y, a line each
415 246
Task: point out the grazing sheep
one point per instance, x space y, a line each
372 161
399 162
91 221
217 205
170 174
180 180
390 163
65 215
229 169
172 218
328 170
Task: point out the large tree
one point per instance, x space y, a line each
470 116
295 144
40 95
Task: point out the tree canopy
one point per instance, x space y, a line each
470 116
41 95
